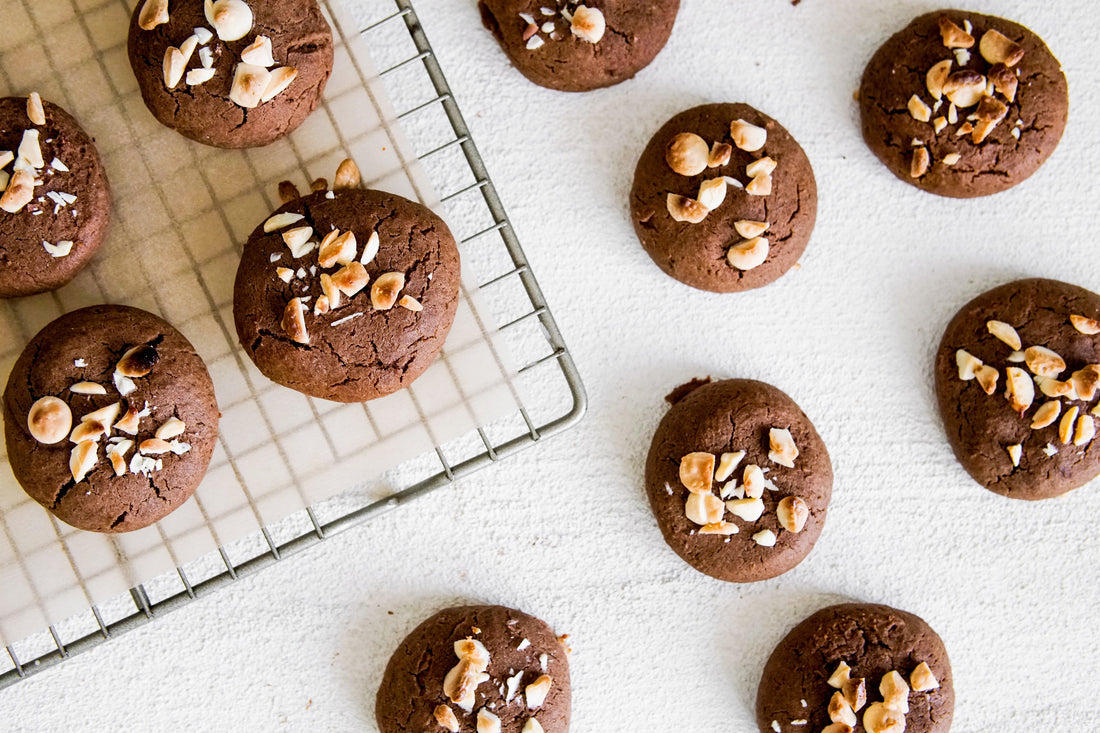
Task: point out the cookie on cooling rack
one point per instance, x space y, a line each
724 199
231 73
477 669
738 479
110 418
347 294
55 202
577 47
853 664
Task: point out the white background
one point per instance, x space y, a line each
563 530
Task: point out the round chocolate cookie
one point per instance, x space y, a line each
962 104
1016 380
236 74
738 479
724 199
110 418
857 667
56 204
477 664
572 47
347 295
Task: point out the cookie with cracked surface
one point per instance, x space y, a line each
55 207
1016 381
961 104
805 675
110 418
574 47
517 671
347 318
724 199
738 479
232 74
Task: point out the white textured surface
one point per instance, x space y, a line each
563 531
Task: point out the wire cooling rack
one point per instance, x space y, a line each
553 397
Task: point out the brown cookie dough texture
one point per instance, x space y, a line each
961 104
738 479
857 667
110 418
724 199
576 47
476 669
231 73
349 316
1016 380
55 202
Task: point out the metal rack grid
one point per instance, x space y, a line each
267 548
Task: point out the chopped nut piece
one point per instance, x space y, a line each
1050 450
249 84
683 208
532 726
750 254
339 250
297 237
19 192
997 48
922 679
1087 326
937 77
370 249
83 459
49 420
173 427
1016 357
1046 414
1004 81
385 290
487 722
764 538
1085 382
750 229
130 421
153 13
588 24
837 728
347 175
938 125
1019 389
748 136
920 111
748 509
446 718
965 129
116 454
88 430
761 167
990 112
855 692
231 19
1055 388
258 53
719 154
753 481
351 278
410 303
88 388
783 450
284 273
724 528
712 193
35 112
760 186
1044 362
951 158
840 711
793 513
687 154
1065 427
294 321
964 88
537 691
173 67
330 290
321 306
138 361
894 691
727 462
881 719
987 378
1005 333
1085 431
1015 452
952 114
968 364
704 509
154 446
195 77
30 151
106 416
954 36
840 675
920 162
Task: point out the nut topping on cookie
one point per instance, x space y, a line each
1065 427
750 229
446 718
747 509
83 459
294 322
855 692
1085 382
1005 333
937 77
1046 414
35 112
783 450
1087 326
258 53
968 364
1085 431
761 167
687 154
19 192
696 470
703 509
750 254
987 378
997 48
88 388
487 722
588 24
840 675
337 250
760 186
881 719
726 464
920 111
840 711
352 278
894 691
1019 389
793 513
712 193
764 538
922 679
837 728
386 289
49 420
753 481
1004 81
965 88
719 154
347 175
748 136
532 726
954 36
1044 362
920 162
1015 452
231 19
153 13
536 692
249 84
722 528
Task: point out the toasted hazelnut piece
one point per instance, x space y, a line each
968 364
410 303
321 306
88 430
1056 388
153 13
104 415
154 447
297 237
258 53
894 691
280 79
919 111
760 186
687 154
990 112
82 459
231 19
1065 427
761 167
351 278
712 193
987 378
719 154
792 513
783 450
1085 430
116 454
330 290
446 718
49 420
370 249
703 509
964 129
997 48
385 290
881 719
1015 452
1019 389
588 24
920 162
130 421
765 538
487 722
726 463
750 229
88 388
696 470
473 650
1004 81
340 250
922 679
750 254
747 136
173 427
347 175
954 36
748 509
537 691
1087 326
840 675
840 711
19 192
249 83
195 77
1044 362
723 528
284 273
460 683
35 112
1046 414
532 726
294 321
855 693
837 728
951 158
138 361
937 77
752 479
964 88
683 208
1085 382
1005 333
173 67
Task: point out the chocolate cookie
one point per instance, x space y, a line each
962 104
1016 379
857 667
55 205
477 668
724 199
234 74
738 479
347 295
572 47
110 418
